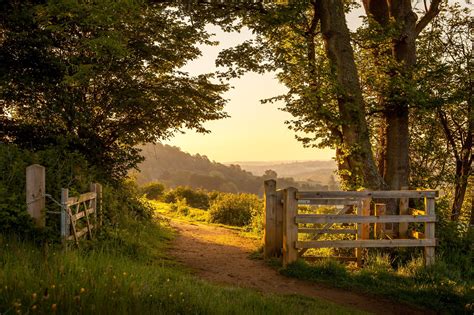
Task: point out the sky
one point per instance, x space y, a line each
254 131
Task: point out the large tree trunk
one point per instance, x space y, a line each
395 163
356 151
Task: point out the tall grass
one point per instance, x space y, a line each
125 271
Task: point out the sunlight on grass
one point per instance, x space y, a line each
127 272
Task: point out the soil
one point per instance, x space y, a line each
221 255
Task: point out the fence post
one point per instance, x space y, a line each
98 191
35 193
279 222
430 231
379 210
93 188
269 236
362 228
403 207
290 227
65 220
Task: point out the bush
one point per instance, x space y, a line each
180 207
63 169
235 209
153 190
194 198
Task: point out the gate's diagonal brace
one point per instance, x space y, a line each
325 228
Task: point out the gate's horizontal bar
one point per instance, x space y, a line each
344 218
365 243
329 202
389 194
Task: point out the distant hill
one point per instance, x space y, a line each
173 167
321 172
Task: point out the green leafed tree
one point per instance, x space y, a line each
445 121
101 77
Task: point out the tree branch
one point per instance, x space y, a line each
429 15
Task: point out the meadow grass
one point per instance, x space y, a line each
125 270
429 287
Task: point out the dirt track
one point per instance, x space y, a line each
220 255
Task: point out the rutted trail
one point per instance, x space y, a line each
220 255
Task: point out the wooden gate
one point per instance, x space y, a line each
79 214
284 223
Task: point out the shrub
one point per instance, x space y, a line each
235 209
63 169
180 207
194 198
153 190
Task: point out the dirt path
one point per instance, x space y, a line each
220 255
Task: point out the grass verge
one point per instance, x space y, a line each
125 271
414 284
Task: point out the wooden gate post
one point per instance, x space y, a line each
362 228
35 193
290 227
65 220
430 231
93 188
403 208
270 230
98 190
279 222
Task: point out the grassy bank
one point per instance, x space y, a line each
432 287
126 271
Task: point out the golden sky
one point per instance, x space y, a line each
254 131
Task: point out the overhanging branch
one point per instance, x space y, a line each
430 14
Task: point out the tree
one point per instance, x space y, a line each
446 79
310 43
100 78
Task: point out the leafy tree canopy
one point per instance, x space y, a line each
101 77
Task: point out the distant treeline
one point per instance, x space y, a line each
173 167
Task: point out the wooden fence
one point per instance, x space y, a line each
371 226
79 215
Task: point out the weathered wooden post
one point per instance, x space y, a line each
65 220
403 207
362 228
93 188
430 230
35 193
98 190
269 235
290 227
379 210
279 222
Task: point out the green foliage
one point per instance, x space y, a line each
235 209
180 207
123 199
195 198
436 287
153 190
103 75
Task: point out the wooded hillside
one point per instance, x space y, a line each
173 167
